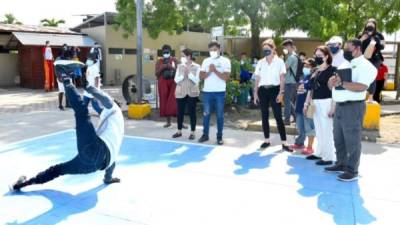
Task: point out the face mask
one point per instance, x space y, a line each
285 51
348 55
306 71
319 60
183 60
267 52
89 62
214 54
166 55
370 29
65 48
334 49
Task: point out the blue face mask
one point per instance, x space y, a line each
334 49
306 71
267 52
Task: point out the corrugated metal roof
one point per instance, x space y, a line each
34 28
39 39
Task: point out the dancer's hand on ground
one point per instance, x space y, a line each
112 180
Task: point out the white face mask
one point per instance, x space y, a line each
89 62
166 55
183 60
285 51
214 54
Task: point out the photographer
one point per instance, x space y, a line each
372 44
165 73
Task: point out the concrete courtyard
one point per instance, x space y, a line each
171 182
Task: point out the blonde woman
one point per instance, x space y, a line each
187 91
269 90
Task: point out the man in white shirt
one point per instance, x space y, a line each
96 51
215 71
335 44
97 148
93 78
349 114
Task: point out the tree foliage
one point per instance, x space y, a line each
10 19
323 19
51 22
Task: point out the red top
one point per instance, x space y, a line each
381 72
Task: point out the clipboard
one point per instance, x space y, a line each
345 75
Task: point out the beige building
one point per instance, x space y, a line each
119 53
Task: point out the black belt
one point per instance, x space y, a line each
269 86
349 102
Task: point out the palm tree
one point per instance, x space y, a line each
10 19
51 22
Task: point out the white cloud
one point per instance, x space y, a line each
32 11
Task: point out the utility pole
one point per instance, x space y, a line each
139 48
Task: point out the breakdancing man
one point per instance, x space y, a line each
97 148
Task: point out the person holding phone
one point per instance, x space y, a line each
269 91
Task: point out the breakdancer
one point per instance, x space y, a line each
97 147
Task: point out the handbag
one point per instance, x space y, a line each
311 108
310 111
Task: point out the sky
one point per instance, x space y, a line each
32 11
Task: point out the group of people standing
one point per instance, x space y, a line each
323 106
72 53
178 86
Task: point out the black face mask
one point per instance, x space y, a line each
348 55
370 29
267 52
319 60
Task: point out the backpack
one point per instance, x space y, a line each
299 73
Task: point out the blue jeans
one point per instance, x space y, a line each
305 127
93 153
95 104
214 100
290 99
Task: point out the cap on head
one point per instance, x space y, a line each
288 42
335 40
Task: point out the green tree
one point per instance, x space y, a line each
10 19
158 16
323 19
51 22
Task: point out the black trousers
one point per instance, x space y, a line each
267 98
190 103
379 87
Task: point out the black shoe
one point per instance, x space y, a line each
286 148
287 122
68 106
265 145
313 157
347 177
61 107
323 163
15 187
176 135
220 141
167 125
203 138
192 137
335 169
185 127
112 180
